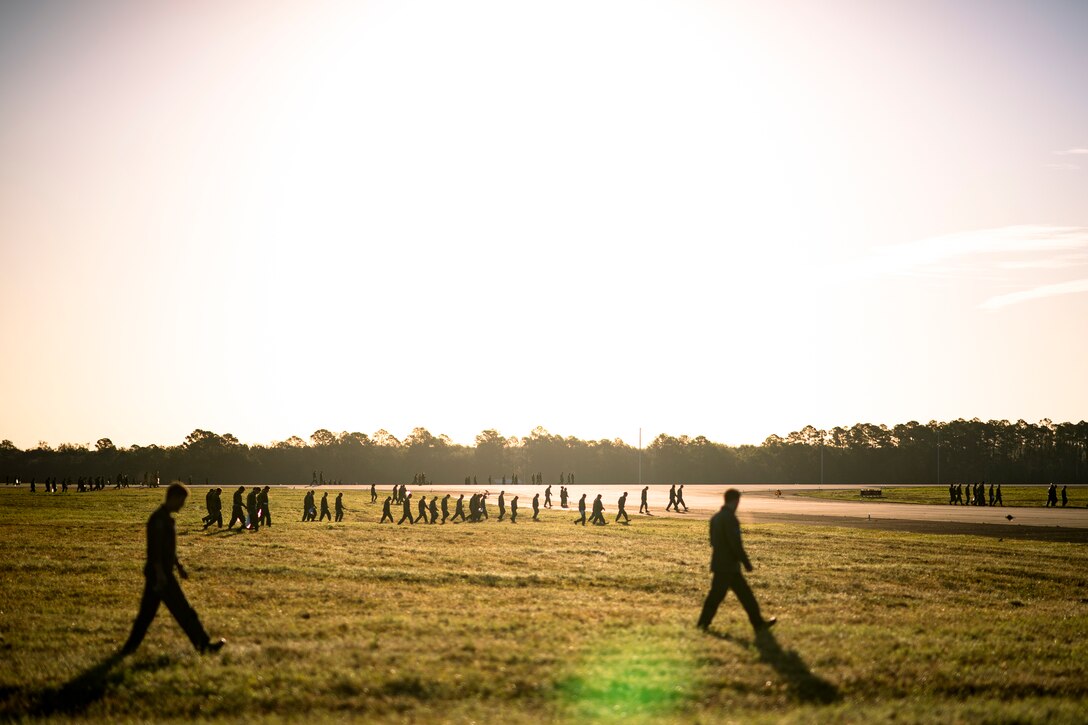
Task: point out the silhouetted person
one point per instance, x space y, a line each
421 513
251 508
236 512
997 498
445 508
581 511
536 507
324 507
502 504
481 506
597 517
373 493
339 506
434 509
407 504
514 510
644 507
309 509
264 514
1065 496
548 497
215 513
209 504
459 512
1052 496
672 498
725 562
387 513
563 496
951 494
991 493
680 499
621 506
160 585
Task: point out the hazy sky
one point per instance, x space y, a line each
721 218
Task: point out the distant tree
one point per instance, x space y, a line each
104 445
323 437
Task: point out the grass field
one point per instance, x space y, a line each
532 622
1010 495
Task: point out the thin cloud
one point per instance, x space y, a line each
1048 290
1073 152
1062 167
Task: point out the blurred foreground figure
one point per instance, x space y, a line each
725 561
160 585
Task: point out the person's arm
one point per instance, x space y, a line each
734 542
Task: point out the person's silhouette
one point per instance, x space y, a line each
597 517
421 514
1065 496
406 502
459 511
264 512
236 512
160 585
324 508
514 510
251 508
581 511
339 505
373 493
308 509
536 507
621 509
672 498
215 511
680 499
644 507
445 507
726 559
434 509
548 497
502 505
386 512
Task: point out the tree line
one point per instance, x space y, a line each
956 451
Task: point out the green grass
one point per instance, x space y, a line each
532 622
1010 495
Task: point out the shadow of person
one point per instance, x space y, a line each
802 683
82 691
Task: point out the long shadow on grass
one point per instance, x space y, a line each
80 692
802 683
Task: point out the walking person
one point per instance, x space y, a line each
459 511
434 509
264 513
236 512
514 510
621 505
339 506
373 493
644 507
406 502
309 509
997 499
160 585
597 517
421 511
215 512
445 508
251 508
581 511
672 498
726 559
536 507
502 504
386 512
680 499
324 508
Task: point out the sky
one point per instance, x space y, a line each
729 219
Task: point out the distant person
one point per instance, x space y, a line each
324 505
725 562
445 508
459 511
581 511
1065 496
264 512
407 504
481 506
373 493
548 496
991 492
251 508
563 496
1052 496
215 511
434 509
309 508
621 509
597 517
209 505
514 510
680 499
672 498
421 514
236 512
339 506
160 585
951 494
387 512
536 507
502 505
997 498
644 507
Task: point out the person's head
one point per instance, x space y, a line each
176 493
219 490
732 499
388 499
241 488
266 489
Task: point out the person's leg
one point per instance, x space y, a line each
747 599
149 604
714 597
175 601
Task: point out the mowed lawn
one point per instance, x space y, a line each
538 621
1010 495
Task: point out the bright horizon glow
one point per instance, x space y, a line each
725 219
